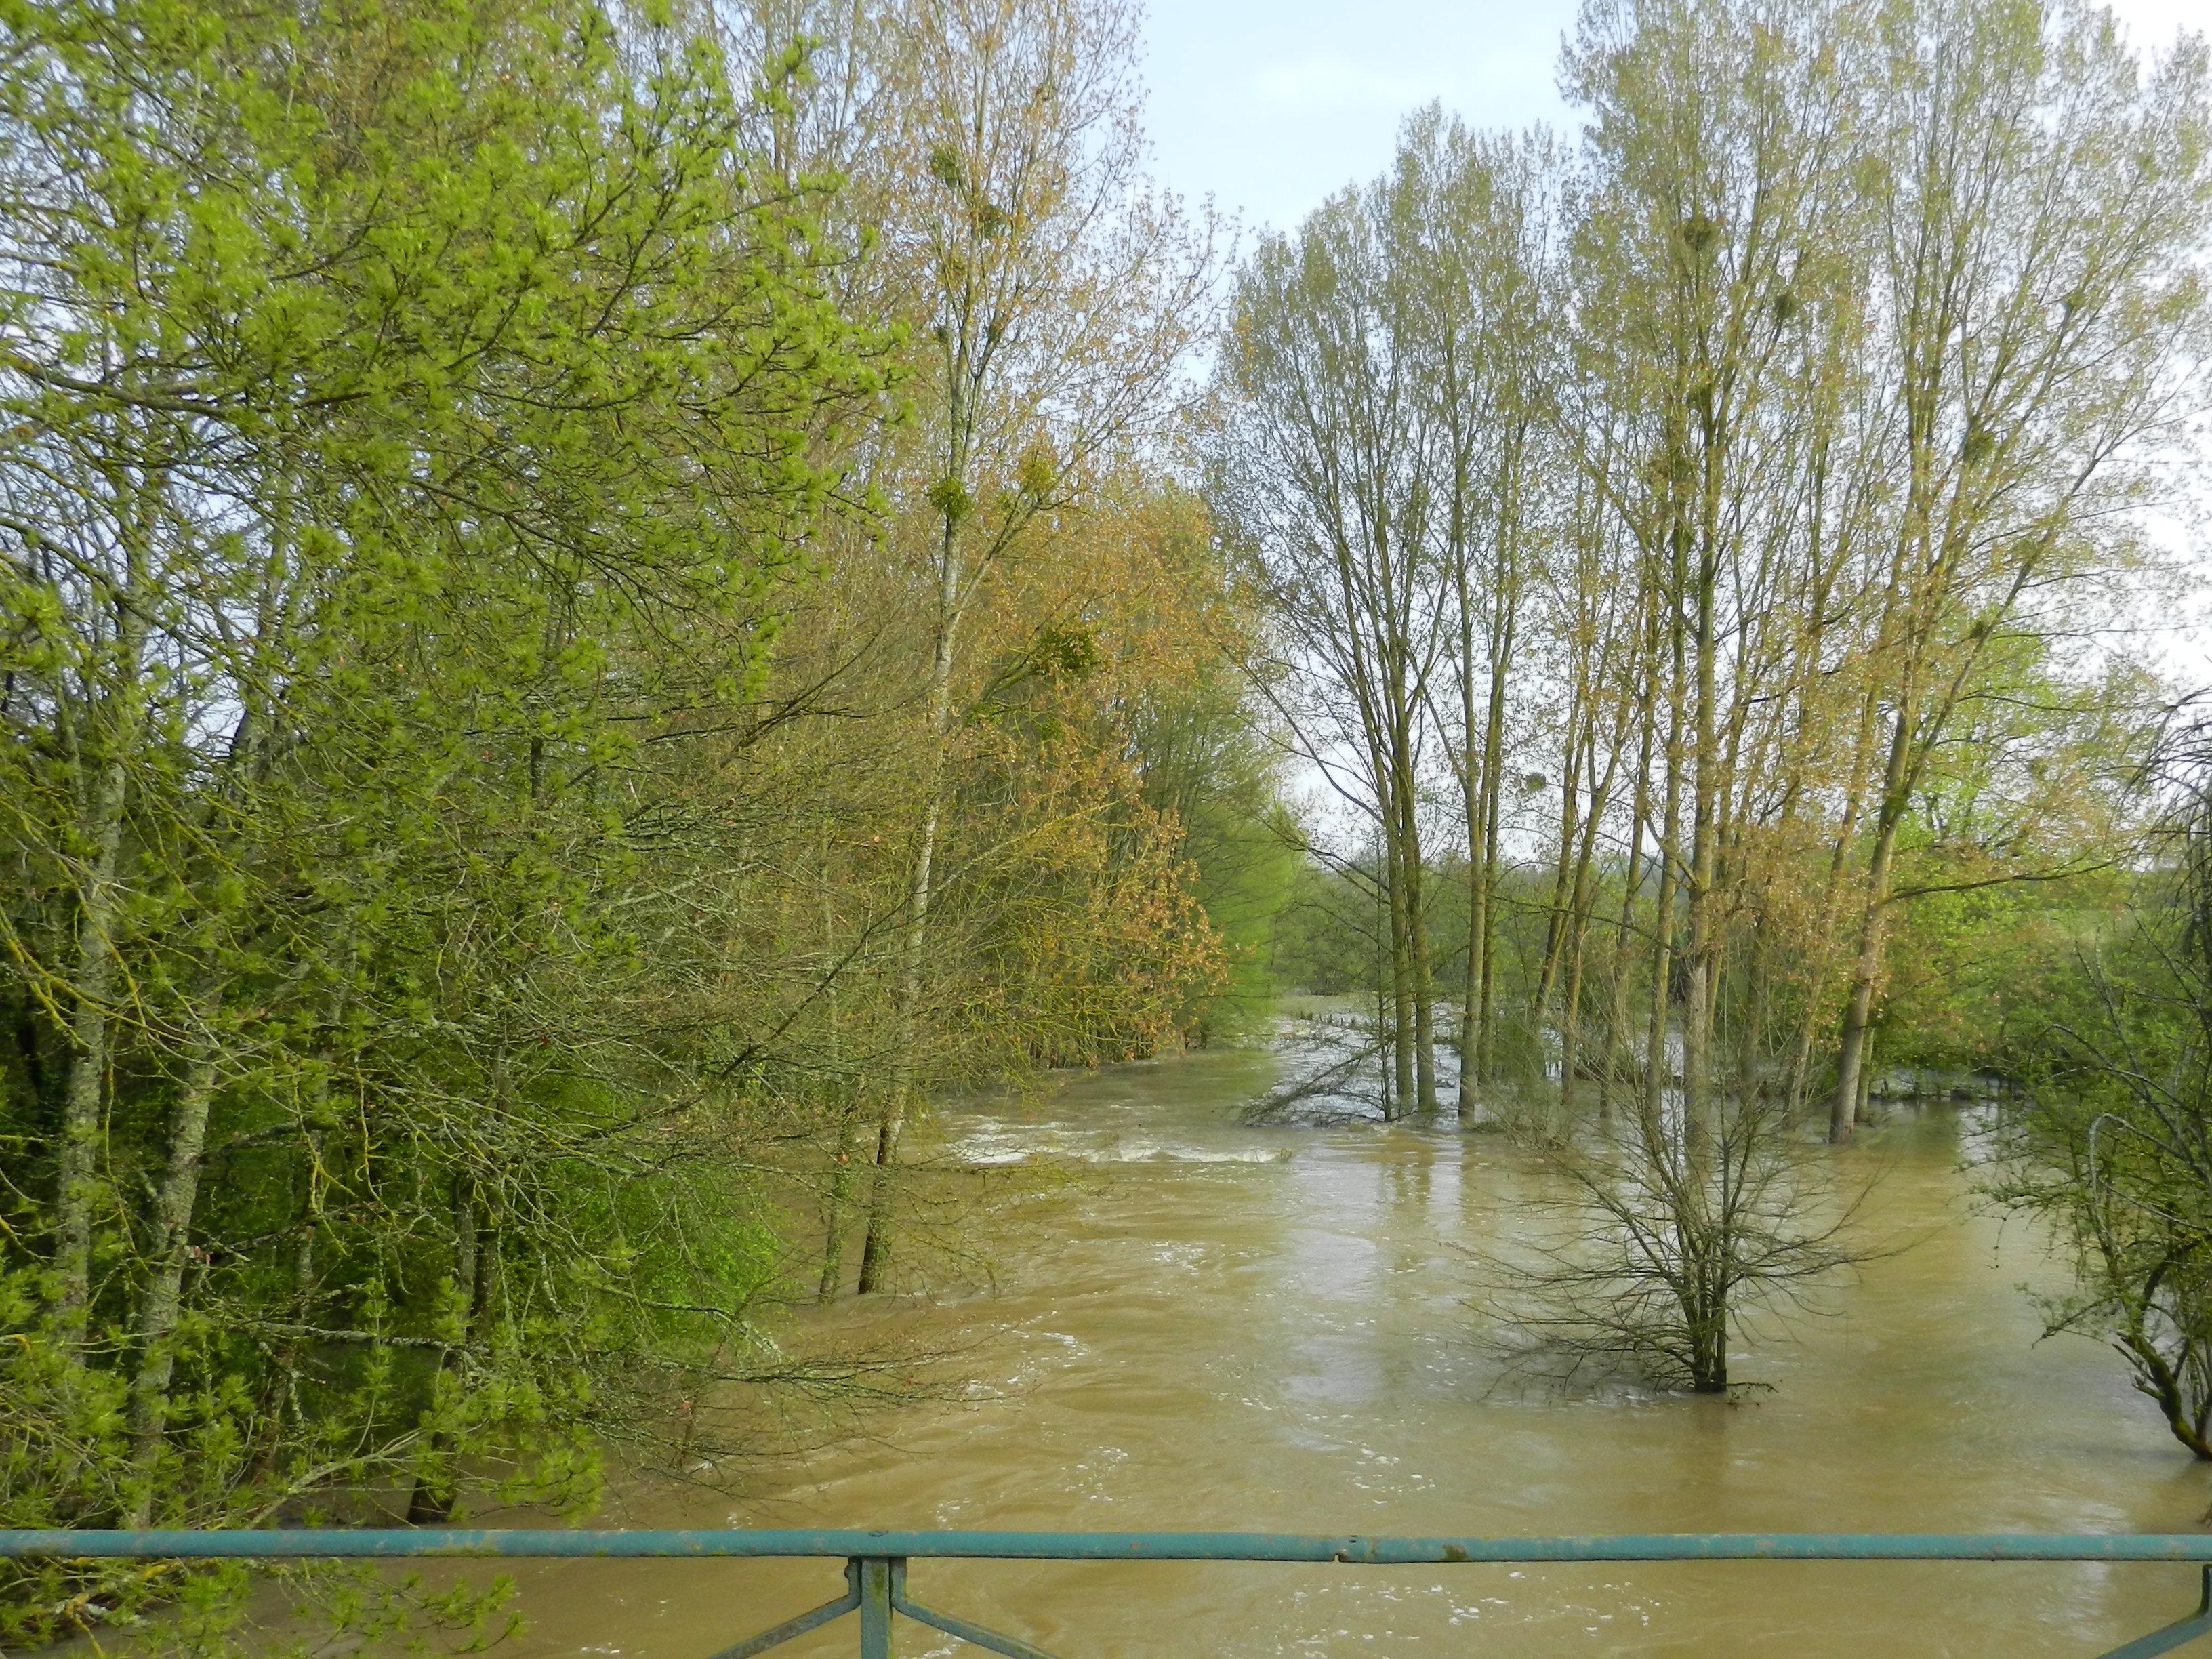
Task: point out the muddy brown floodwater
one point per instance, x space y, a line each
1256 1327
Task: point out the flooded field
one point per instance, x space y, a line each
1225 1325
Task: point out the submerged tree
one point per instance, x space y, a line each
1660 1237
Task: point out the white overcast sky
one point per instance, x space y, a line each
1267 105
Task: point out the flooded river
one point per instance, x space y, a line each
1264 1327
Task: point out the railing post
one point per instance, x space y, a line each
874 1583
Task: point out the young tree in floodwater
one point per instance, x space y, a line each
1661 1236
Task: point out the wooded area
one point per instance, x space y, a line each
1702 550
600 603
593 610
1738 513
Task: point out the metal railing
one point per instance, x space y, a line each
875 1562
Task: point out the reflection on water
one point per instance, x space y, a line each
1264 1327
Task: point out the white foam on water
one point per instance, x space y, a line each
994 1144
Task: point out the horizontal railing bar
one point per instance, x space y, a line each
410 1541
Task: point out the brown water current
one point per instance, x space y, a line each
1266 1328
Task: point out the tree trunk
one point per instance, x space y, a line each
1580 904
1474 778
876 1246
1632 877
1663 920
1422 987
1858 1008
1478 939
76 1163
162 1300
1706 788
1402 971
1493 758
834 1204
1708 1348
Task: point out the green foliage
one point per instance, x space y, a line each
2111 1148
1325 939
2108 1150
1204 763
409 408
1976 976
2044 782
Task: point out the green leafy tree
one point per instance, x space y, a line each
409 409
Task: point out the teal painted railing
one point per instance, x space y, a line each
875 1562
